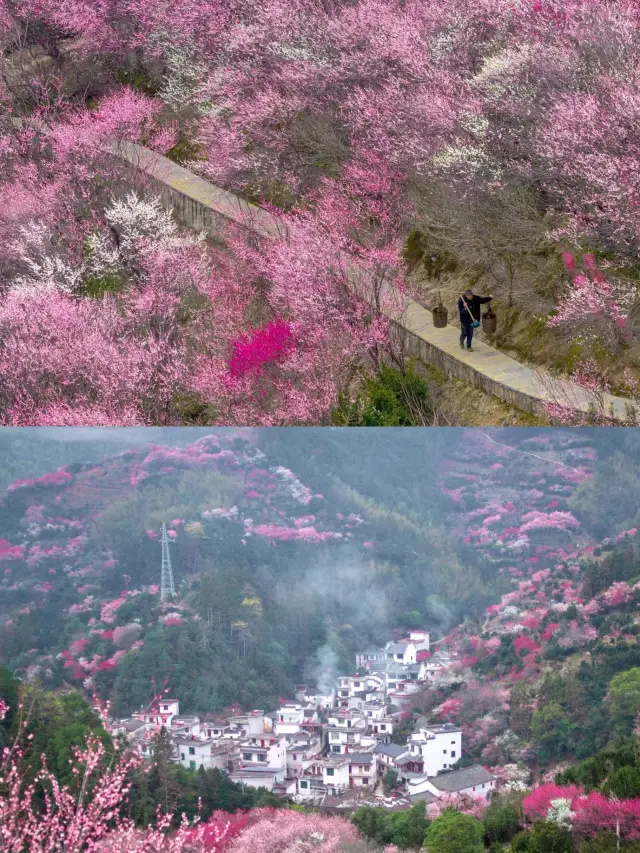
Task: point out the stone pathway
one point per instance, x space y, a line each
503 369
197 202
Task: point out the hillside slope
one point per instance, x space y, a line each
294 548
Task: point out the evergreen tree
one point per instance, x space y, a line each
163 776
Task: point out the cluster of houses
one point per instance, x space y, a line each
329 750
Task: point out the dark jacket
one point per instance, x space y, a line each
474 306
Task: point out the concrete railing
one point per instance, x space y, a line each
199 204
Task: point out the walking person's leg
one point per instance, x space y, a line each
469 335
463 334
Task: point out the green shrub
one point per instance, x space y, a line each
454 832
97 286
138 79
193 410
501 822
520 843
546 837
392 398
414 249
435 260
184 150
277 193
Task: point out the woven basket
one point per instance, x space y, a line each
440 314
489 322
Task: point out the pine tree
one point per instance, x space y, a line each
163 780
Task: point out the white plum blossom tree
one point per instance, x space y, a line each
560 812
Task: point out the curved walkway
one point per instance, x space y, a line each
199 204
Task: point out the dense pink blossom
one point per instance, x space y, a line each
8 551
473 805
284 830
108 611
561 520
78 646
540 576
590 813
95 822
450 708
525 642
492 645
52 479
618 593
594 813
308 534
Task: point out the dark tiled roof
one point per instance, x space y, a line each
425 797
190 741
456 780
360 757
132 725
392 749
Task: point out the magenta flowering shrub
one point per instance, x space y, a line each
9 551
55 478
492 645
253 352
308 534
588 814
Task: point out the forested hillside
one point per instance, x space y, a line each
21 456
285 548
272 563
548 673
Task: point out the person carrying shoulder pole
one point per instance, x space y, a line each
469 309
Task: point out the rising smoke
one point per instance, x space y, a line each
323 669
355 613
438 614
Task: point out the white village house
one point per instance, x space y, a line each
474 781
439 747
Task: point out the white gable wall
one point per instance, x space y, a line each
441 752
